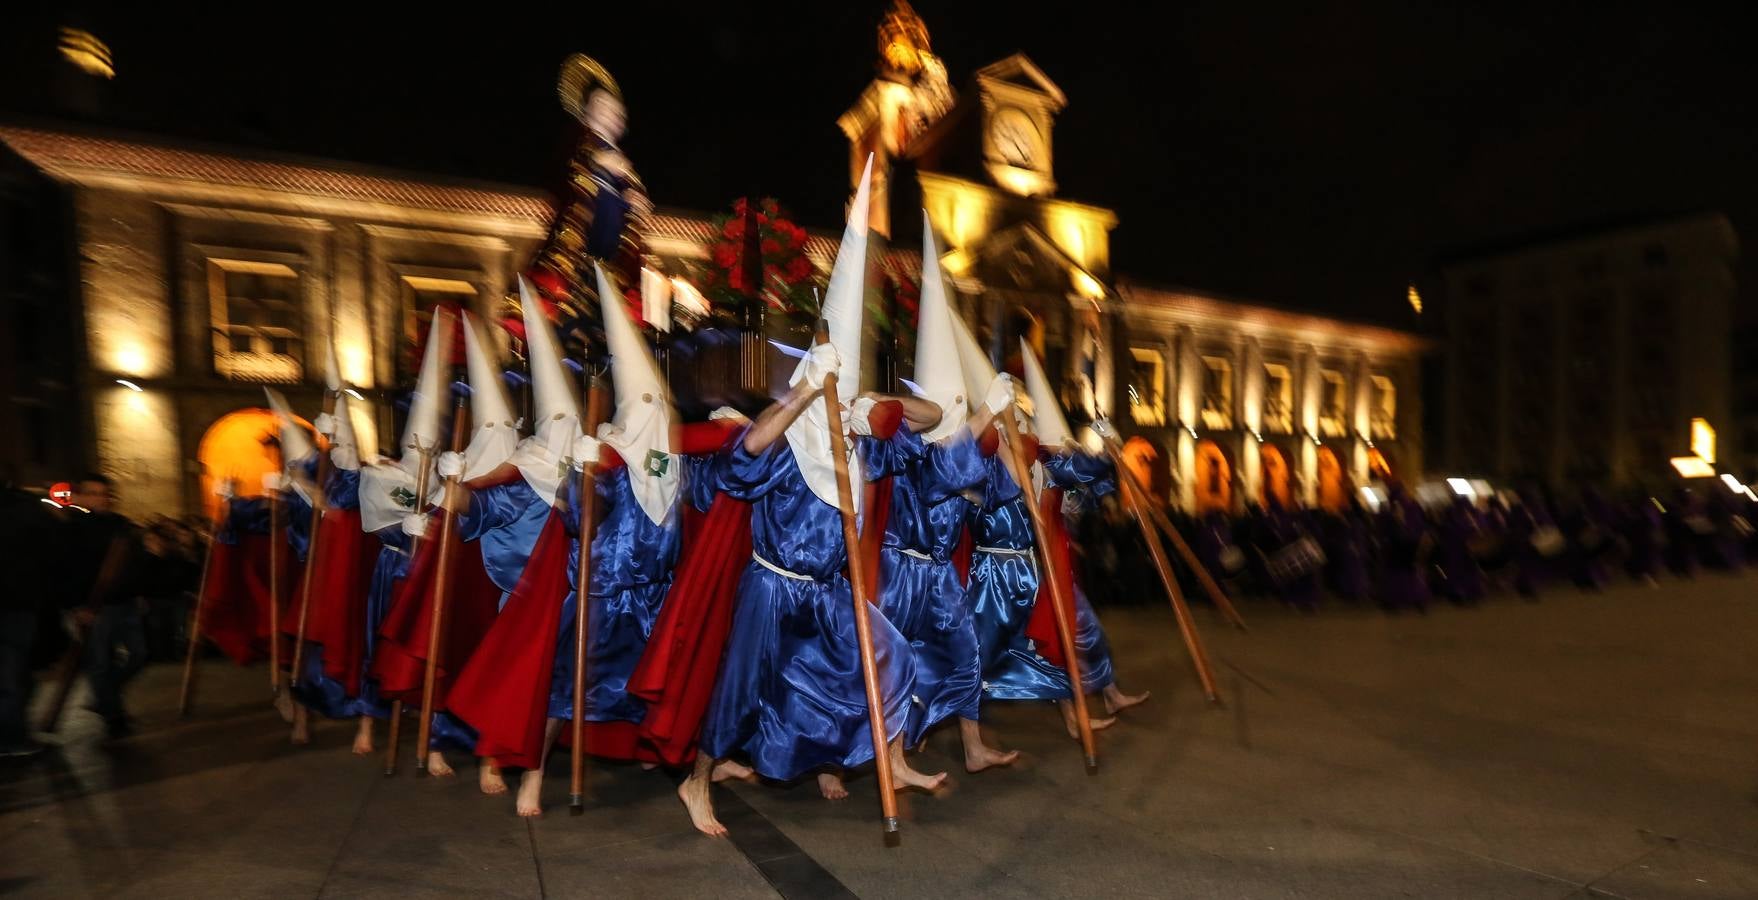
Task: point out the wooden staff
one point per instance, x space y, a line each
201 596
582 582
1133 498
441 582
274 498
425 456
1216 595
857 579
318 501
1016 462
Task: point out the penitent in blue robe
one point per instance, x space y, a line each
1004 587
919 589
790 695
632 562
316 690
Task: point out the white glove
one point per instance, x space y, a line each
226 489
415 525
821 361
345 456
727 412
271 482
325 424
450 465
1000 394
1105 429
858 412
587 450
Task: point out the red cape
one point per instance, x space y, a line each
341 563
503 692
235 602
1041 626
676 675
400 660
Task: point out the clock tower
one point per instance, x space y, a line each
1023 262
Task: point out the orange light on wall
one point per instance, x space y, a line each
1692 467
241 446
1703 440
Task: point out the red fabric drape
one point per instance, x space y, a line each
235 605
503 692
676 675
1041 626
344 556
400 661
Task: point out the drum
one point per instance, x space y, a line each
1298 559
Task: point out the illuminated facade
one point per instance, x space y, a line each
199 276
1584 358
1232 402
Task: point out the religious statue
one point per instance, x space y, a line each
601 198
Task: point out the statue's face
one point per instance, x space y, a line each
604 115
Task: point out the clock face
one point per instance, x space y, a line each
1014 137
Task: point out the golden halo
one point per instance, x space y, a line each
580 75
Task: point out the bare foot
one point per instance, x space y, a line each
978 757
530 793
437 765
301 726
363 737
1096 724
1117 701
284 705
830 785
649 766
727 769
694 792
488 778
904 776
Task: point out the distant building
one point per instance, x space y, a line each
1582 358
170 283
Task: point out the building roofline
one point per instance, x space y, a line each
1222 306
1545 238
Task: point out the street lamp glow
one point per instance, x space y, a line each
1461 487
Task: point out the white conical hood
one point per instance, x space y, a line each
345 449
332 368
809 434
494 433
545 456
656 299
422 429
1048 422
939 374
296 445
978 373
641 428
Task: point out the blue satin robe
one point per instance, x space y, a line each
1004 587
632 563
315 690
922 596
790 695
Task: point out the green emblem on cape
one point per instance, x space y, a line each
658 463
403 497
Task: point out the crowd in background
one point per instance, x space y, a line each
85 579
1404 555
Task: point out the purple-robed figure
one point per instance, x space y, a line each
1347 545
1533 542
1643 534
1589 532
1278 532
1403 546
1462 530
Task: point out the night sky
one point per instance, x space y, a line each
1317 158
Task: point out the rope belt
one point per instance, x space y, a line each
915 553
779 570
1009 550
